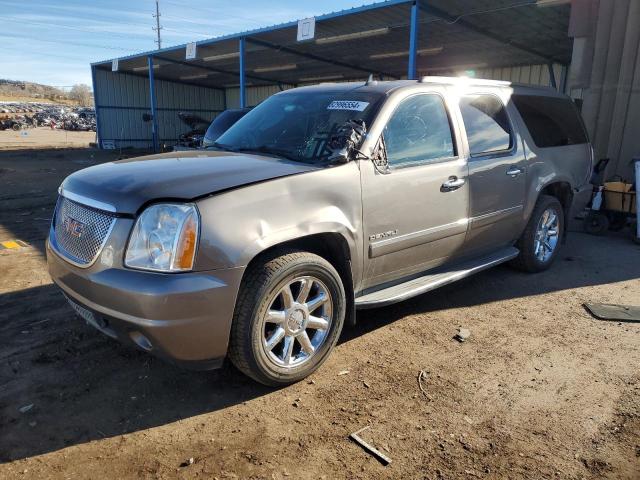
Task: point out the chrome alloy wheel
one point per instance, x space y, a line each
297 322
546 237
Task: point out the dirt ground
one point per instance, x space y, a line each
540 390
44 137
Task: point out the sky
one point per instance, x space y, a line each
53 41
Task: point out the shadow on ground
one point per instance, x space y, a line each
84 386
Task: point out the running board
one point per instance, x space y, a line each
426 283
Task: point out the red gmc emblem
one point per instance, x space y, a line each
74 227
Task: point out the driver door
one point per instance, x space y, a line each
415 214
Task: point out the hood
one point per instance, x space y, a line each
129 184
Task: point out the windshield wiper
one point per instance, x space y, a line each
227 148
278 152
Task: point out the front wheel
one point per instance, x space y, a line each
540 241
289 315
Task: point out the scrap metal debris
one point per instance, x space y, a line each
614 313
343 372
381 457
422 377
463 334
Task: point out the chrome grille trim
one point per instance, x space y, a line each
79 232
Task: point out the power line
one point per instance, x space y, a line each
61 42
70 27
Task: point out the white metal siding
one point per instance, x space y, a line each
122 99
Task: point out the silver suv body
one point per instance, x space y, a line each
319 201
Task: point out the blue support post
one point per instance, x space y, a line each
152 100
243 100
413 42
96 106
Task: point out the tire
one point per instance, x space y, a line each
596 223
261 291
529 259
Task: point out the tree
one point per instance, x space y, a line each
82 94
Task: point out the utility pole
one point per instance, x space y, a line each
158 27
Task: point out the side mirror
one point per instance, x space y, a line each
345 140
379 157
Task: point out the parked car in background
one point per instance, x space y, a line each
319 201
198 137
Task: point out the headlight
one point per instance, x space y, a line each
164 238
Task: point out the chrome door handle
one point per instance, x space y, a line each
452 184
513 172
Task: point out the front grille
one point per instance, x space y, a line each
80 231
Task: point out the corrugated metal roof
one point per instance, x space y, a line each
452 34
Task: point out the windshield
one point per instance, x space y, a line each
297 125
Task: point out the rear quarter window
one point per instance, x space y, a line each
551 121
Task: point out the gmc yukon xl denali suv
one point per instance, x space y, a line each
319 201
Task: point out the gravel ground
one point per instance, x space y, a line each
44 137
539 390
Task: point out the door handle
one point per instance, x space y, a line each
453 183
513 172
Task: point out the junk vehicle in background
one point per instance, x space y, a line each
198 137
319 201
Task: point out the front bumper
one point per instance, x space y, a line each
185 318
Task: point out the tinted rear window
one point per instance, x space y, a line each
551 121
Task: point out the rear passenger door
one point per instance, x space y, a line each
496 172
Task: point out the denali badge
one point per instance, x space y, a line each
73 227
378 236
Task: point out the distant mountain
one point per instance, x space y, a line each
15 90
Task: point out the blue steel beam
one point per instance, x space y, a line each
152 100
413 42
95 105
552 76
242 83
213 41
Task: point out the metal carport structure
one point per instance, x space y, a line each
391 39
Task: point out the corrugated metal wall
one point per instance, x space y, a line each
122 99
530 74
254 95
606 67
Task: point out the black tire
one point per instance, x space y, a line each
527 260
617 221
260 284
596 223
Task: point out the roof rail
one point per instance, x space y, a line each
466 80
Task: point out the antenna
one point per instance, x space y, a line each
157 28
370 80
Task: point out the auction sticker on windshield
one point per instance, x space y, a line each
348 105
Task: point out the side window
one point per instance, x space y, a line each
487 124
551 121
419 131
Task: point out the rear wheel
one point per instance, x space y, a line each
540 241
289 315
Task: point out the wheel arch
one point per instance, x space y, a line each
564 193
332 246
